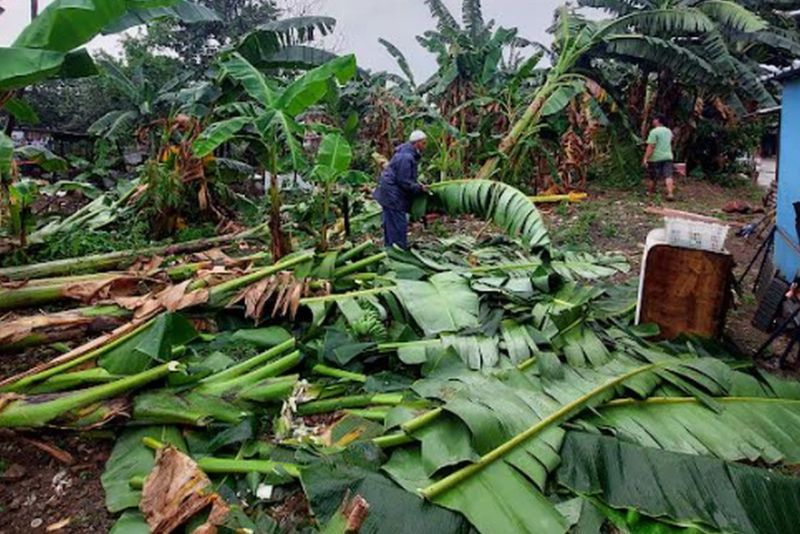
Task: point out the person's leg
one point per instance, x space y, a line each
651 179
385 226
395 228
669 180
402 229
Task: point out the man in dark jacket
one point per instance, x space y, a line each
397 187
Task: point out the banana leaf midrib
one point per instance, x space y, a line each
452 480
693 400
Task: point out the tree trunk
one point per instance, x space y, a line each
278 246
45 329
118 260
530 117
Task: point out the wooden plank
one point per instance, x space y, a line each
686 291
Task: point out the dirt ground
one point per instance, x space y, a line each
615 220
55 491
40 489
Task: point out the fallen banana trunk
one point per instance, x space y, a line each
86 289
18 411
120 260
218 296
95 287
45 329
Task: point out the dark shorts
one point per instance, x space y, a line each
660 170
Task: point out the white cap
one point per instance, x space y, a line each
417 135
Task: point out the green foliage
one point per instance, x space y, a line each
731 498
504 205
21 196
130 235
46 47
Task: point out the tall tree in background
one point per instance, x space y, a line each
196 45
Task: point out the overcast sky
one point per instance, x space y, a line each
362 22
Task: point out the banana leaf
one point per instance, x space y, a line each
708 493
507 207
444 303
514 422
745 428
130 458
152 345
326 483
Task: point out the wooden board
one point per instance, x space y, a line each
686 291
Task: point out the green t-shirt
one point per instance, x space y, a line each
661 137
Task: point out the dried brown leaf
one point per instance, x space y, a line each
294 298
175 491
95 290
145 264
59 454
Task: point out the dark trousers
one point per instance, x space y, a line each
395 228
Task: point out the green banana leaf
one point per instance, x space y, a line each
513 421
334 155
559 99
184 11
689 490
507 207
443 304
47 46
744 428
151 345
218 134
67 24
309 88
253 81
131 458
588 266
20 67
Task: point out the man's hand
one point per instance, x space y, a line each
644 163
425 188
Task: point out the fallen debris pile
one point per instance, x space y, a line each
498 385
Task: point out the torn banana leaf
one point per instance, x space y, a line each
690 490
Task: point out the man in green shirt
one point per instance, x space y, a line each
658 158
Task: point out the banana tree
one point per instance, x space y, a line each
577 42
142 99
270 112
333 166
737 38
285 43
51 44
